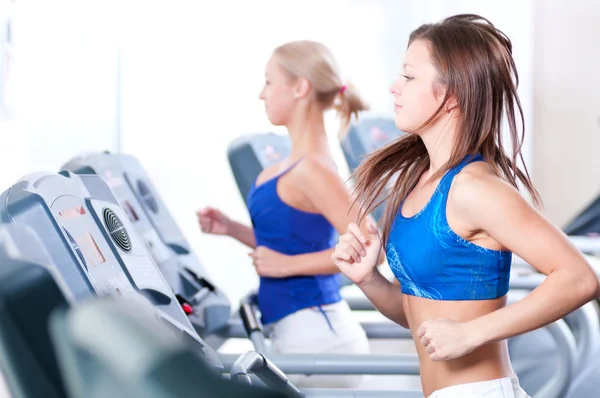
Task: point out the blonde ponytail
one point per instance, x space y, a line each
315 62
349 104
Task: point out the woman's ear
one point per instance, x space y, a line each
301 88
451 104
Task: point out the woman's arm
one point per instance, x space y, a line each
213 221
516 225
242 233
356 256
488 204
385 296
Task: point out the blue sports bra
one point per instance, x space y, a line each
431 261
285 229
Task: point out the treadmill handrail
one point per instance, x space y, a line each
375 330
338 364
558 385
253 362
267 372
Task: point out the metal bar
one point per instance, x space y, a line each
558 385
348 393
375 330
253 362
385 330
338 364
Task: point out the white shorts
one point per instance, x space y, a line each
328 329
507 387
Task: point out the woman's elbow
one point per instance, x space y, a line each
592 287
404 323
399 319
588 286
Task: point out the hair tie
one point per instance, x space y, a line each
344 87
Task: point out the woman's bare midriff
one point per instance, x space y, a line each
488 362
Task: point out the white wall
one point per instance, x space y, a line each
13 151
65 66
567 105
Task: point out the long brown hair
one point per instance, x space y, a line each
475 65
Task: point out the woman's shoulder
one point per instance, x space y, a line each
316 166
476 176
317 176
478 186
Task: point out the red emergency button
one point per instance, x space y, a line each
187 308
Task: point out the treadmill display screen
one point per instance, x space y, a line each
74 212
139 265
104 272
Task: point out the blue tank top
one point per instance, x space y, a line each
431 261
290 231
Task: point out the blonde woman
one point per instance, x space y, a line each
296 206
